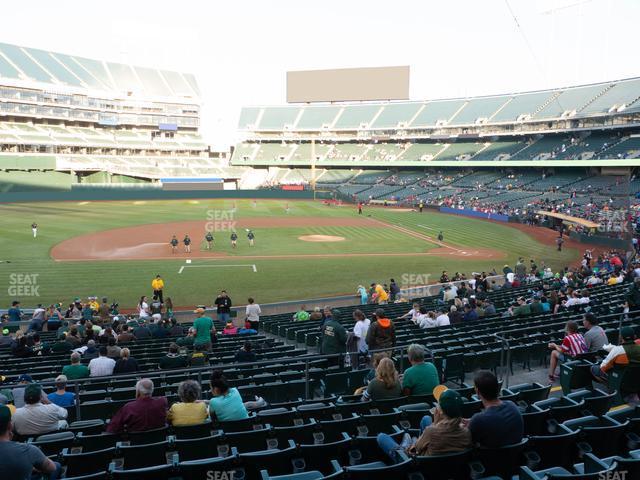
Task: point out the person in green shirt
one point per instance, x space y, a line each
302 315
172 359
421 377
76 370
521 309
334 338
536 307
204 329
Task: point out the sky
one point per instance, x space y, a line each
241 50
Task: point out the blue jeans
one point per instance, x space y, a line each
388 445
57 473
224 317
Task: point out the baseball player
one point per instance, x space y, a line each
234 239
187 243
174 244
440 236
251 237
34 229
209 239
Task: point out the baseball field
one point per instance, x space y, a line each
302 249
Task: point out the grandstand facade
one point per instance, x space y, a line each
66 120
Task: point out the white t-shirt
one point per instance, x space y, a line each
442 320
143 310
360 330
253 312
426 322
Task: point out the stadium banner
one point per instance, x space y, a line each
168 127
293 188
473 213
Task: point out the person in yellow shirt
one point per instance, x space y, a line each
158 284
381 295
190 410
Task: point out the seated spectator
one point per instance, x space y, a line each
126 363
91 351
172 359
76 370
21 349
412 314
489 308
39 415
113 350
141 331
21 461
230 329
189 339
125 335
454 315
595 337
199 357
176 329
316 314
190 410
103 365
301 315
470 313
144 413
159 329
385 384
6 339
444 434
245 355
73 337
226 404
500 423
421 377
18 392
61 397
627 352
573 344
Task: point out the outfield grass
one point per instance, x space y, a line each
276 279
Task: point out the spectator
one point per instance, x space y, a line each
39 415
253 312
301 315
381 333
412 314
18 392
113 351
199 356
226 404
159 329
144 413
626 353
245 355
223 305
103 312
125 335
73 337
573 344
38 318
455 316
360 330
6 339
143 307
421 377
61 397
172 359
176 329
126 363
190 410
91 351
500 423
187 341
334 338
20 349
103 365
15 314
76 370
230 329
385 384
316 314
595 338
141 332
470 313
19 460
204 329
444 434
442 320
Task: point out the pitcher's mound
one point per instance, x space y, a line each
320 238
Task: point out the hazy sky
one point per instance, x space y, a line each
240 50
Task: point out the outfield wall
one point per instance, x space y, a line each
472 213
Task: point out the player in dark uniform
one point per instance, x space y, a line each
174 244
209 239
251 237
234 239
359 208
440 236
187 243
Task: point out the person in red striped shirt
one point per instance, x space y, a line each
572 344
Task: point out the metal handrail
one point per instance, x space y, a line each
505 363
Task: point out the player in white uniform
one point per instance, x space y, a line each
34 229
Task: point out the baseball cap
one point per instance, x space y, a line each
450 402
32 393
25 378
5 331
199 310
627 333
61 379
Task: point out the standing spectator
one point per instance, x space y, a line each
143 307
204 329
223 305
334 338
394 290
573 344
15 314
595 338
38 318
385 384
102 366
172 359
126 363
76 370
144 413
360 330
103 311
39 415
226 403
381 333
155 309
189 410
157 284
500 423
245 354
363 294
61 397
421 377
253 312
19 460
169 308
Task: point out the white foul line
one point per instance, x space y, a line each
253 267
424 226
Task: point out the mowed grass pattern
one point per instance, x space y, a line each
276 278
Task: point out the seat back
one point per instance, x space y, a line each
446 466
557 449
148 436
54 443
503 461
87 463
192 431
199 469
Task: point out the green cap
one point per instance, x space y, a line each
32 393
5 331
451 403
627 333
